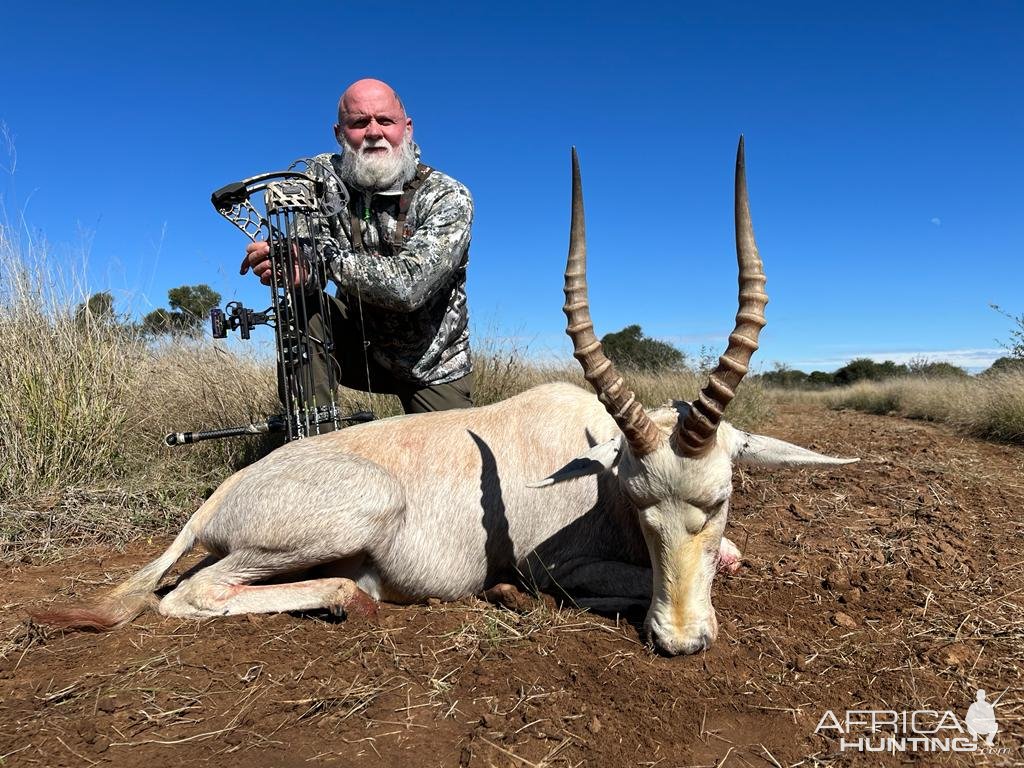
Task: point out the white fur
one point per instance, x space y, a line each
445 504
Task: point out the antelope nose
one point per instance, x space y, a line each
683 644
696 644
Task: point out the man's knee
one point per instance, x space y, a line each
441 397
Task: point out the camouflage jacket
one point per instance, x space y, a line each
413 298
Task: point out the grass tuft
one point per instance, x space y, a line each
989 407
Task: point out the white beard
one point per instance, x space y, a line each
378 171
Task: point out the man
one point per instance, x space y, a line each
397 247
981 719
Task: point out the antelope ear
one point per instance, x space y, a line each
600 458
761 450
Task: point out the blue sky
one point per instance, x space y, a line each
883 154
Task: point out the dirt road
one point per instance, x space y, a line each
893 584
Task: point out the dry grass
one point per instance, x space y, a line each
85 405
87 401
505 371
989 407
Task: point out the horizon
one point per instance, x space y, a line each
883 184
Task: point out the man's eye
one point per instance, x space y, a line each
386 121
362 123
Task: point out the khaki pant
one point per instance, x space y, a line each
352 368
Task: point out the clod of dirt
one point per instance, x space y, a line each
851 596
87 731
837 581
108 705
594 726
841 619
954 655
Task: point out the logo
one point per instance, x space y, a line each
919 730
981 719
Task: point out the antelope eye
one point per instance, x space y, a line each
717 507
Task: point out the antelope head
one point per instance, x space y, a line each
676 462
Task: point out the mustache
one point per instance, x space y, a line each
368 144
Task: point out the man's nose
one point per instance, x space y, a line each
373 130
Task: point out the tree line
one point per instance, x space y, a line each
630 349
865 369
186 314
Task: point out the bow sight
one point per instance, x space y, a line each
298 273
238 318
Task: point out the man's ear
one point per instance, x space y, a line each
600 458
408 128
339 134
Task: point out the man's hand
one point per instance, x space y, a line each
257 258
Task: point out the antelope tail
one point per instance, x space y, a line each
134 596
125 601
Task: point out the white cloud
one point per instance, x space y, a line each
937 221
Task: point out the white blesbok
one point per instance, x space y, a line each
447 504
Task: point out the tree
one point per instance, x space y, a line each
866 369
193 300
97 309
1015 346
887 369
1005 365
922 366
943 370
164 322
629 348
783 376
820 379
190 305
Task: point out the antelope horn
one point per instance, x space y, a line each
694 435
641 433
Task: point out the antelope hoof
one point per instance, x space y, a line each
729 557
352 602
508 596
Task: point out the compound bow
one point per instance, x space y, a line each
298 278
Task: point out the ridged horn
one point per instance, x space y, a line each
641 433
694 435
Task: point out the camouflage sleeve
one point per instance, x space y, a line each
432 253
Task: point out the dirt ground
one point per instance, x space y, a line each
892 584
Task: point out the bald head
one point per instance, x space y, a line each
370 110
367 90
